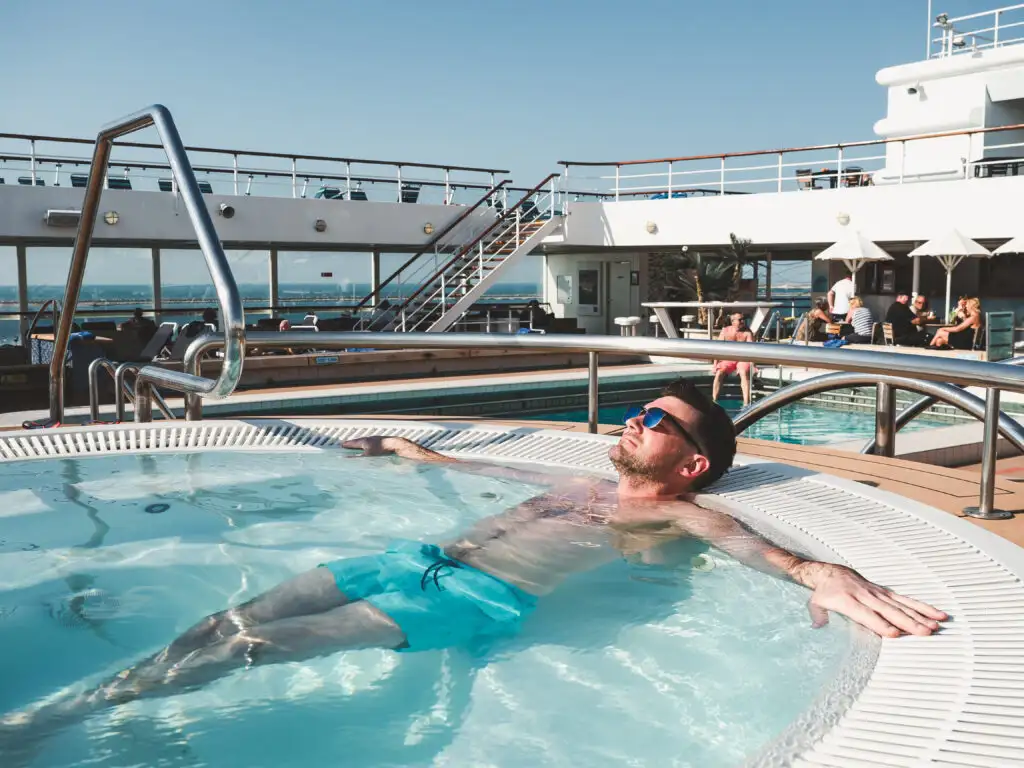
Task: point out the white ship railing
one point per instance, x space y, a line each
975 32
852 164
929 376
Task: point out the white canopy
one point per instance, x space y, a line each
854 250
950 249
1012 246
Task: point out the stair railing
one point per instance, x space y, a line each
232 315
403 311
374 295
466 275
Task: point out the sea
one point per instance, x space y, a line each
183 303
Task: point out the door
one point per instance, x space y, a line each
619 290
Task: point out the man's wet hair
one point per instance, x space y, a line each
713 431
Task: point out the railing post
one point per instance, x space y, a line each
119 390
446 186
721 177
480 262
592 393
348 179
616 183
669 179
903 158
32 160
295 181
780 172
885 420
22 258
839 169
986 507
234 171
399 183
995 30
94 388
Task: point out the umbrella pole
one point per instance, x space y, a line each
949 285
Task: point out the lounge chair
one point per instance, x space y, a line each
79 180
119 182
165 185
186 336
410 193
159 342
357 194
26 181
205 187
328 193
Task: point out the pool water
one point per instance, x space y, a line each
104 560
796 423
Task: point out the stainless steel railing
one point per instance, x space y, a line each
875 367
232 315
122 392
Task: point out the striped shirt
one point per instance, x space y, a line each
862 321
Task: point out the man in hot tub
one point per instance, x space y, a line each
484 584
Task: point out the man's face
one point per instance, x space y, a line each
660 453
903 298
919 303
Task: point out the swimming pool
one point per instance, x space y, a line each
796 423
104 560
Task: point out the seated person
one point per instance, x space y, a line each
862 320
143 327
735 331
959 313
817 319
907 322
961 335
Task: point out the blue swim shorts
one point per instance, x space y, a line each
437 602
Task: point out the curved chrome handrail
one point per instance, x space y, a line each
55 303
934 391
122 391
918 407
232 315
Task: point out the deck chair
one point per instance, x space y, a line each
159 342
186 336
2 180
979 338
79 180
165 185
205 187
328 193
119 182
26 181
410 193
357 194
833 330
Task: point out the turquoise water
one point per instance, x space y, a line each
627 665
799 424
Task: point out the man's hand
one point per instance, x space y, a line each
840 589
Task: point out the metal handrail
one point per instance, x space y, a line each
122 391
55 303
880 365
934 391
918 407
232 314
375 294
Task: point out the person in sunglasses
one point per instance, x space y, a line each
485 583
735 331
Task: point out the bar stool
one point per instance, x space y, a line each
655 325
627 325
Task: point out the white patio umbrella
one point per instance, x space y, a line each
854 250
1010 246
950 249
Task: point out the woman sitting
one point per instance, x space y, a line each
961 335
817 319
862 320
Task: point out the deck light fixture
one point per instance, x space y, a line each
652 227
111 217
320 225
428 228
843 218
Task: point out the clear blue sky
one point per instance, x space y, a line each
517 84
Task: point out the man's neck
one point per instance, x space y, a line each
633 487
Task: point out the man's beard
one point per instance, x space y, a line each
632 466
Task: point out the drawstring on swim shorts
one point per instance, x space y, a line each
434 570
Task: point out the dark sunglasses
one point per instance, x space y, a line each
652 417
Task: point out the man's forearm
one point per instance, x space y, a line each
407 449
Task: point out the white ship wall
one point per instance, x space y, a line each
980 208
159 218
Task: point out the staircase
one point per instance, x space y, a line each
445 293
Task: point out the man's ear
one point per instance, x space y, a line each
694 466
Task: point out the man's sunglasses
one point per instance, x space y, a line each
652 417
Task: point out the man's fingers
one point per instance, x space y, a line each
356 444
856 611
819 616
923 608
898 616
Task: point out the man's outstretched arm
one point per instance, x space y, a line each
407 449
835 587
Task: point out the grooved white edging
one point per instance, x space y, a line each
954 699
